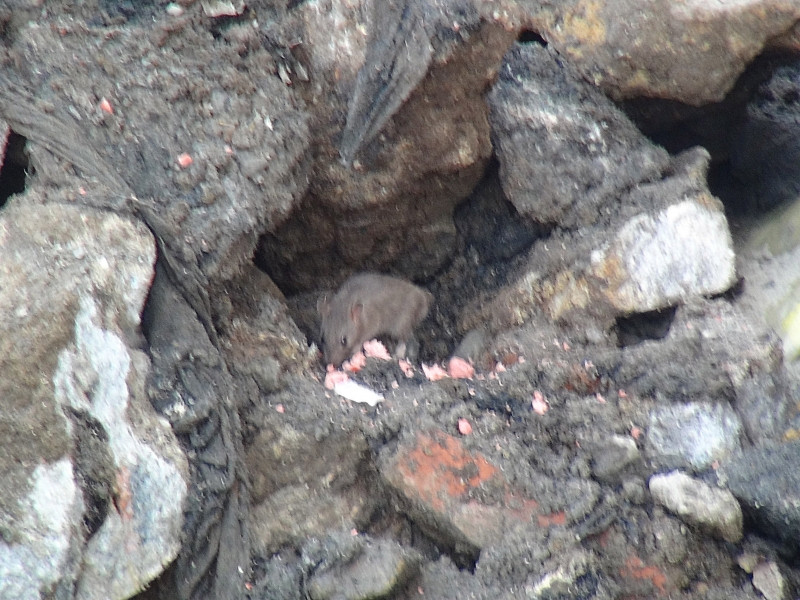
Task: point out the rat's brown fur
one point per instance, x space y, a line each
367 305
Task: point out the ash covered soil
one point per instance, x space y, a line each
531 479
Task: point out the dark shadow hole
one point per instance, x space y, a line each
15 167
94 469
637 328
531 37
753 134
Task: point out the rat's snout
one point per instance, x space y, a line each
335 351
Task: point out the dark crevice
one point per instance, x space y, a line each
15 167
751 134
94 467
639 327
491 226
531 37
387 522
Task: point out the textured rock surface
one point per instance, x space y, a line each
767 485
89 455
43 555
305 480
242 127
378 570
662 244
394 211
692 52
656 261
698 503
765 150
615 457
768 579
441 485
566 152
692 435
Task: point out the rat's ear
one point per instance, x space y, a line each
355 312
323 305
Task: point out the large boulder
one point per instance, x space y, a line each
94 480
692 51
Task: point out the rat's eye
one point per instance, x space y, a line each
344 340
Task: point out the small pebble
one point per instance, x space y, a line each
174 10
458 368
539 404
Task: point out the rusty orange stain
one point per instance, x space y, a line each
522 508
438 466
635 568
556 518
123 496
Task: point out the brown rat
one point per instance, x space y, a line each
367 305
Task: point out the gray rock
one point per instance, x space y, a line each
615 457
103 380
43 555
766 481
445 581
659 245
379 569
697 503
297 512
657 260
764 406
541 113
704 336
642 58
692 435
305 480
768 579
634 491
94 481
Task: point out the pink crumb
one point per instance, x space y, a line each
499 367
184 160
636 432
106 107
539 404
357 362
334 377
464 426
458 368
279 408
434 372
375 349
406 367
